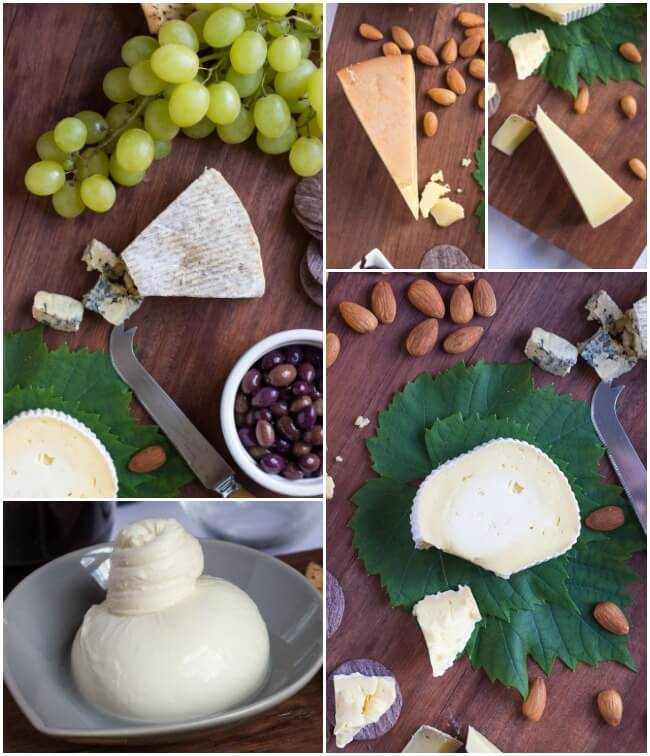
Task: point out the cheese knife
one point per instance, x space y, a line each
203 459
622 454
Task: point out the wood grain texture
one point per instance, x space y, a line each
369 370
364 208
188 345
293 726
529 187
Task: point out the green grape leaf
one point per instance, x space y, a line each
479 175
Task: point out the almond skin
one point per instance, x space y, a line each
480 100
332 349
630 52
462 339
482 48
368 31
581 102
449 51
628 106
610 706
382 301
402 38
147 460
390 48
422 338
425 297
476 69
469 46
611 617
461 307
426 55
475 31
442 96
430 123
455 81
455 276
638 168
533 707
484 298
465 18
605 518
358 318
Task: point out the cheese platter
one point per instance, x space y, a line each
421 567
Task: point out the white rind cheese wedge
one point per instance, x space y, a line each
529 51
360 700
512 132
477 743
562 13
599 196
202 245
447 620
381 92
48 454
431 740
505 506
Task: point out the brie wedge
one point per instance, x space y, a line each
360 700
504 505
431 740
477 743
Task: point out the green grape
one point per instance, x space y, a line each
161 149
197 21
242 6
122 177
306 156
317 12
285 53
257 25
209 6
315 89
134 150
188 104
175 64
248 52
137 49
275 10
67 201
245 84
299 106
272 115
44 177
157 121
98 193
278 145
225 103
46 149
116 85
144 81
119 114
200 130
278 28
239 130
223 27
313 129
305 45
177 32
269 75
96 126
70 134
319 120
91 162
292 85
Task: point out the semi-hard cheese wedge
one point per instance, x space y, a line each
431 740
529 51
599 196
477 743
360 700
447 621
381 92
202 245
48 454
504 505
562 13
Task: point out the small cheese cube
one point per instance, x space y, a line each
57 311
529 51
550 352
101 258
603 308
607 357
512 132
112 301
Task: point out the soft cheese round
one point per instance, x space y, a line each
48 454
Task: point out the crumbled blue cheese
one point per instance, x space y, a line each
101 258
550 352
607 356
638 327
112 301
57 311
603 308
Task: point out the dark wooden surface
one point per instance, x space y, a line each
369 370
528 186
364 207
188 345
293 726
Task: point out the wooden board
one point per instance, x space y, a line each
188 345
364 208
369 370
529 188
293 726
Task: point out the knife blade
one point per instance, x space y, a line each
203 459
622 454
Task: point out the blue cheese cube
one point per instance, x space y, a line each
603 308
101 258
606 356
112 301
550 352
57 311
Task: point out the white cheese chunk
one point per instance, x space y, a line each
490 90
512 132
639 327
112 301
477 743
446 211
529 51
562 13
504 505
360 700
431 740
606 356
202 245
603 308
101 258
57 311
432 192
447 621
550 352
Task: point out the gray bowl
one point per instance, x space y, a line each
42 614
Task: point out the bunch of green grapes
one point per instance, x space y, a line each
233 69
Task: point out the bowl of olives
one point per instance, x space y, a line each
272 413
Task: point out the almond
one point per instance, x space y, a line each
480 100
605 518
461 308
382 301
581 102
462 339
426 55
422 338
455 276
358 318
425 297
430 123
610 706
390 48
455 81
469 46
442 96
476 69
628 106
533 707
332 349
147 460
475 31
368 31
402 38
638 168
611 617
482 48
484 298
465 18
449 51
630 52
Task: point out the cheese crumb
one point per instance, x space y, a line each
338 458
459 191
329 487
361 422
466 162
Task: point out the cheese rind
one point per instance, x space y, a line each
606 356
57 311
477 743
360 700
529 51
428 739
381 92
599 196
550 352
504 506
562 13
512 132
112 301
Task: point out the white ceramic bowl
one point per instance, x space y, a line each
276 483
